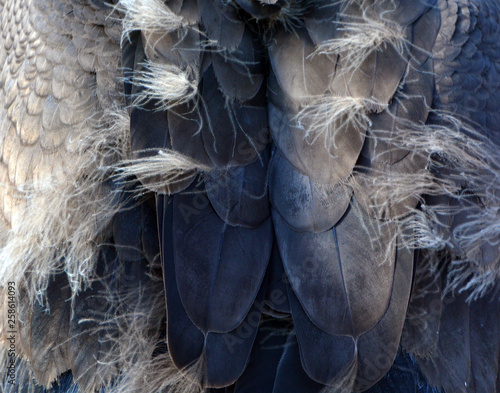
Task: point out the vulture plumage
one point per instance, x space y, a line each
250 196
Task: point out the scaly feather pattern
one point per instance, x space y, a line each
250 195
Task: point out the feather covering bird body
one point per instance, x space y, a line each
249 195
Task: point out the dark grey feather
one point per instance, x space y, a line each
291 374
240 72
239 195
343 277
93 334
261 371
316 156
299 74
378 347
303 204
233 133
219 268
221 23
45 331
202 356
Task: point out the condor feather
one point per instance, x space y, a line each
217 281
198 353
90 339
298 153
231 129
239 195
45 332
303 204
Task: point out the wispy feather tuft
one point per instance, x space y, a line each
460 211
327 115
148 16
165 84
59 225
159 171
362 36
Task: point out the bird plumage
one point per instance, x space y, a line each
250 196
